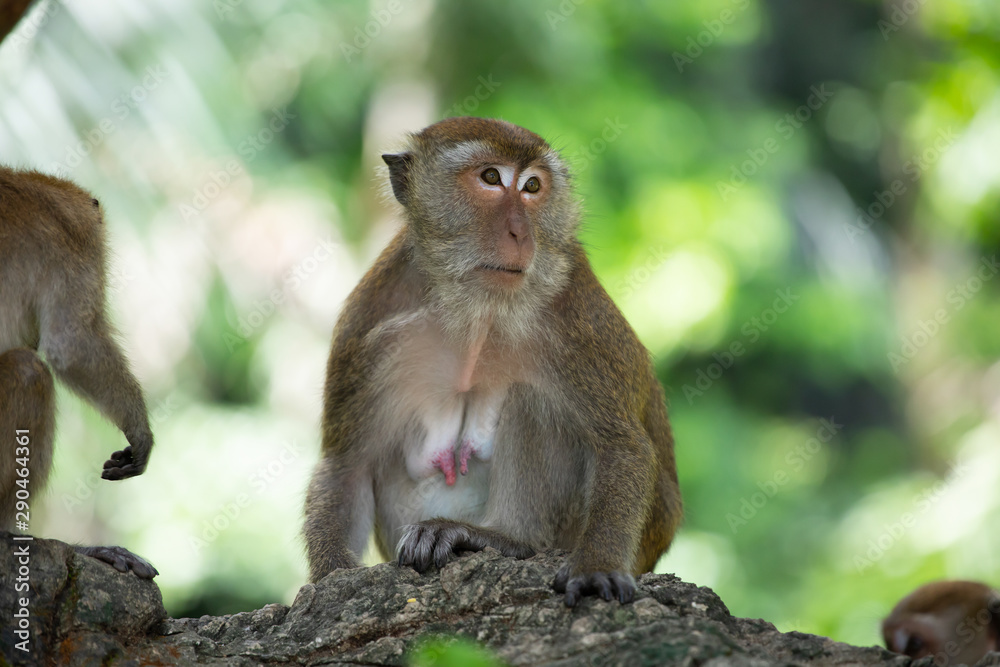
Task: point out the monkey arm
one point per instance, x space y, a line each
606 374
78 345
340 511
622 481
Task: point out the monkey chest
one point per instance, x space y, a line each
443 409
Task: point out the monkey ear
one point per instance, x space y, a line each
399 174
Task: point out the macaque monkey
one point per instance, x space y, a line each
52 278
956 622
483 390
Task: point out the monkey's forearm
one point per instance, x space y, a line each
605 556
340 511
95 368
624 476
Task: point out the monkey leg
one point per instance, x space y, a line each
79 347
27 425
432 543
27 417
340 512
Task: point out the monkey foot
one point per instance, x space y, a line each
121 559
445 461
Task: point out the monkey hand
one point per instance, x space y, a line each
126 463
576 582
432 543
121 559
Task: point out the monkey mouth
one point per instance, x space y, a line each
512 270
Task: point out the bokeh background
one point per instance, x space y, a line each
795 202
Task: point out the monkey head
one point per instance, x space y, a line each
956 622
489 210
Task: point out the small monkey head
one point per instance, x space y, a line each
956 622
490 211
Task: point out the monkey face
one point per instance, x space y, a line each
953 621
915 637
488 204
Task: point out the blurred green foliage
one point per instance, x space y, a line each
794 202
451 653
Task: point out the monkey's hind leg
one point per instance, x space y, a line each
27 424
27 430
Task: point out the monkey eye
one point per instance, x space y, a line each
491 176
914 646
532 184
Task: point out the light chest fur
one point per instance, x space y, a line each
440 410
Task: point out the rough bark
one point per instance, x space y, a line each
84 612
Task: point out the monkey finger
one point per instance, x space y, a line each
443 549
123 472
415 549
562 576
624 584
119 456
575 589
601 585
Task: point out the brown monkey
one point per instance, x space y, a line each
483 390
956 622
52 283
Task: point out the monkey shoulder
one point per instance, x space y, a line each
595 330
391 287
